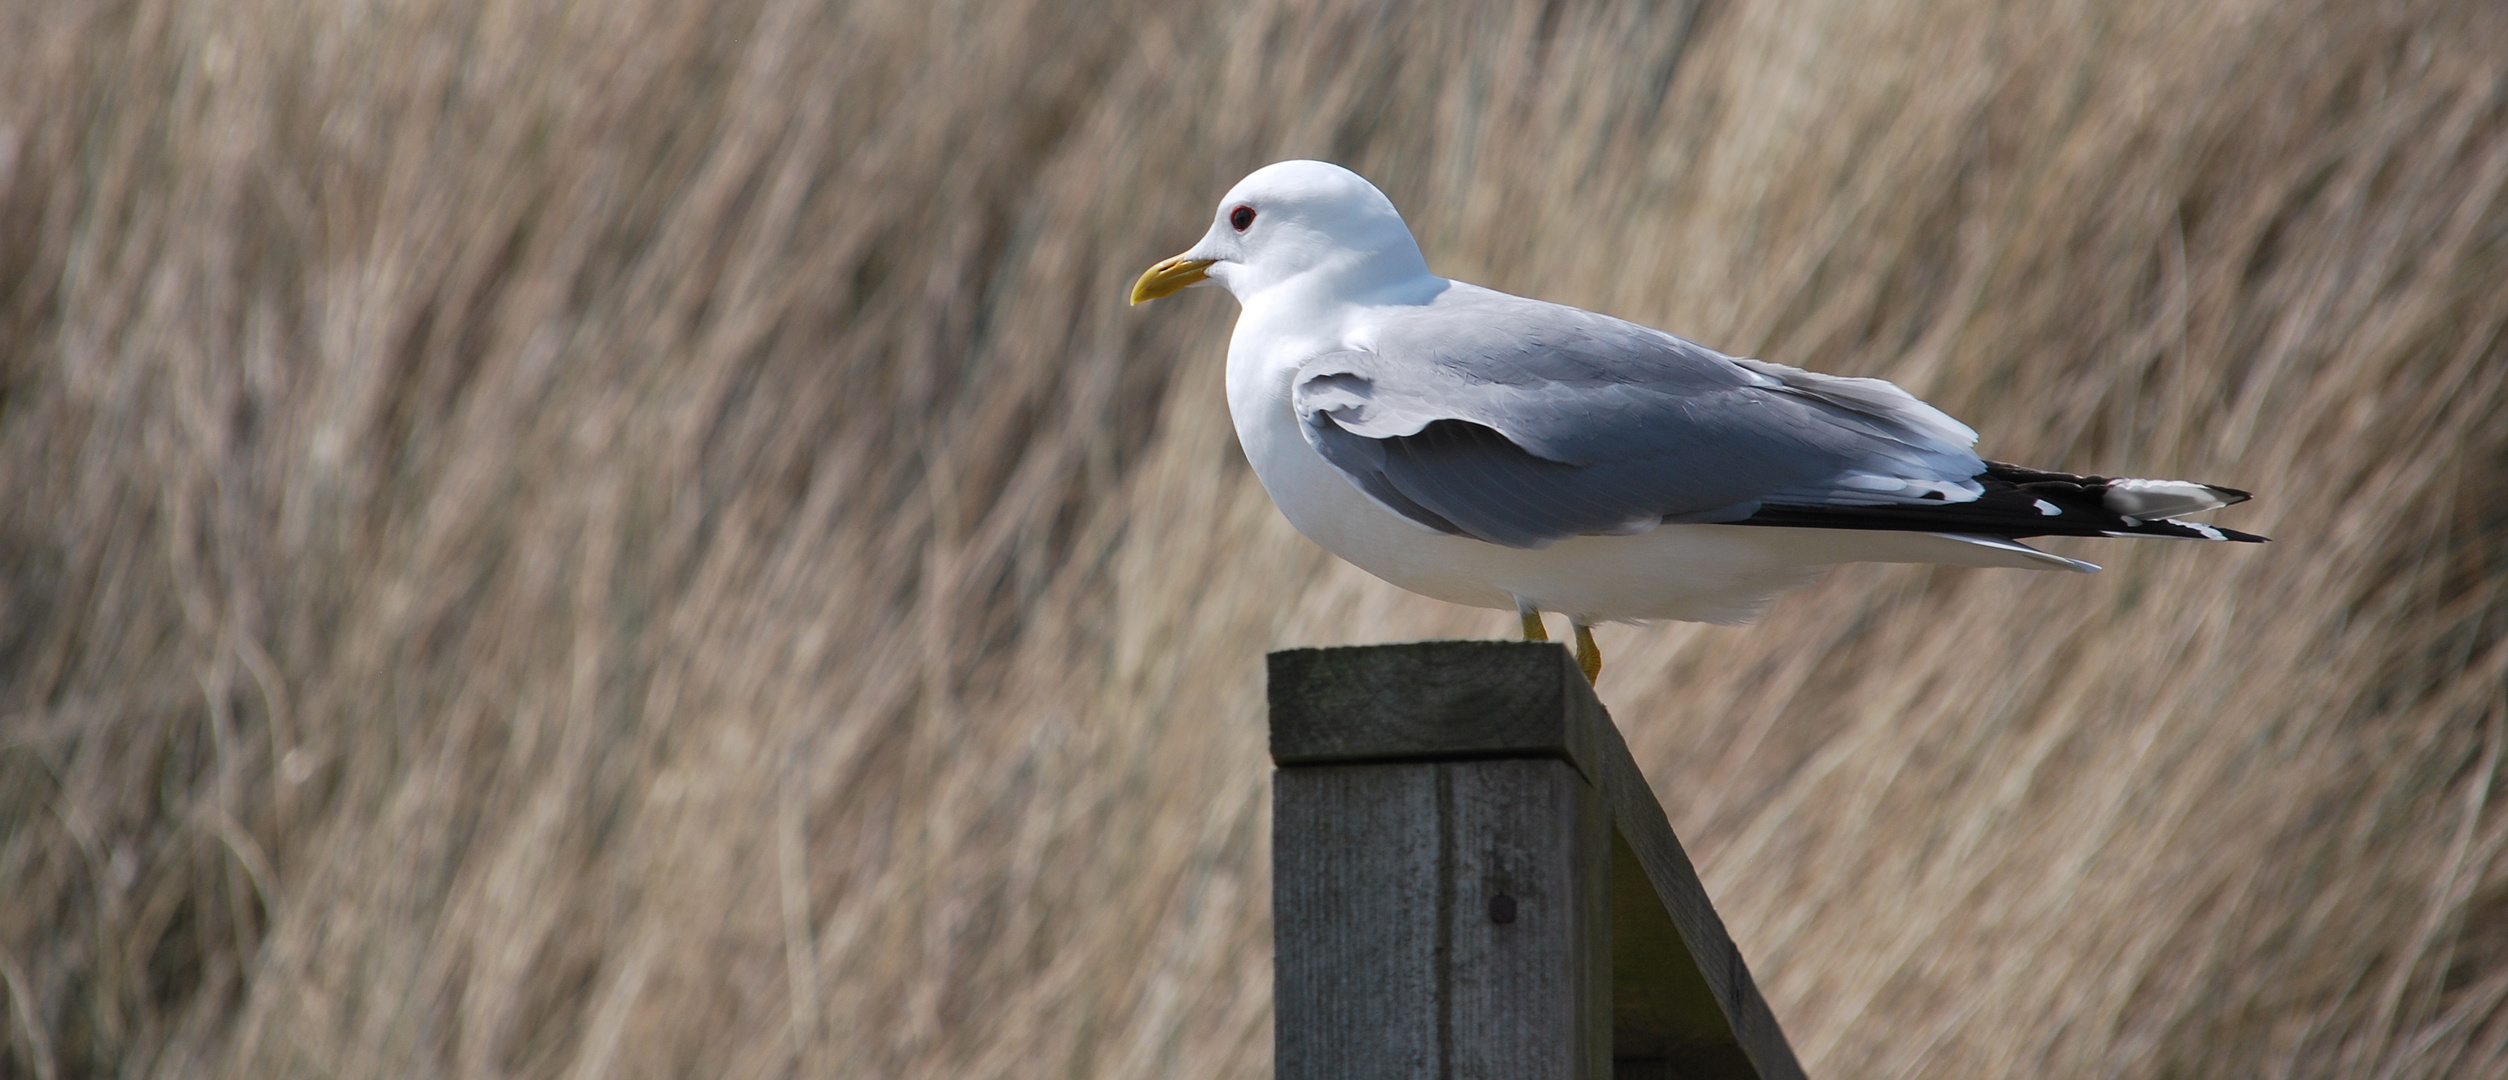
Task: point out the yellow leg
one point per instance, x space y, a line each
1588 654
1533 630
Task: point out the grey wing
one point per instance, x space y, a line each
1522 423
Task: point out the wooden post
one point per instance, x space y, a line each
1470 878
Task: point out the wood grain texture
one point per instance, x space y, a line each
1357 917
1473 717
1433 700
1441 920
1530 996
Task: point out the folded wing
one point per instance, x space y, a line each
1523 423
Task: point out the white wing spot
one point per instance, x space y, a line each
2048 509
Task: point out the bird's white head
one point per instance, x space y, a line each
1296 221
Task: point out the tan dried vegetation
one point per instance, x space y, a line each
640 538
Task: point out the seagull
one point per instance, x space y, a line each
1502 452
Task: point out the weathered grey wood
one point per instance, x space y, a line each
1751 1044
1681 1001
1433 700
1531 996
1663 1013
1440 920
1356 916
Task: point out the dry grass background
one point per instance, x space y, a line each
639 538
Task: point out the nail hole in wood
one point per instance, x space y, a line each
1502 909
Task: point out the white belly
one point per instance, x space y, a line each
1698 573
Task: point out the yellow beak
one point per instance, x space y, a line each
1169 276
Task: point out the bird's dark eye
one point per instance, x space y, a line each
1242 217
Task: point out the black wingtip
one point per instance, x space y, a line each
2019 502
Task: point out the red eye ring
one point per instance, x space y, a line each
1242 218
